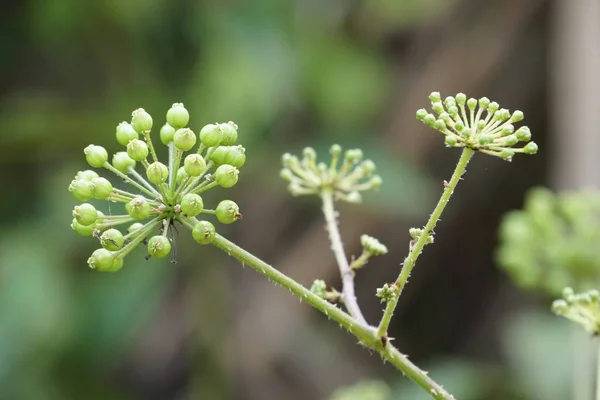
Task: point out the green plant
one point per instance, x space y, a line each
171 194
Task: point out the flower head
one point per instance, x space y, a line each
581 308
165 194
478 124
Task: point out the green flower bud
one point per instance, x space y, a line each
449 101
218 155
480 125
353 155
228 212
353 197
81 189
461 98
309 153
523 134
194 165
117 264
211 135
530 148
335 150
452 110
507 154
236 156
493 107
372 245
85 214
319 287
451 140
459 127
96 156
102 188
471 103
484 102
486 138
191 204
86 175
137 150
184 139
376 182
203 232
502 114
435 97
440 125
166 134
287 174
510 140
226 175
112 239
159 246
177 116
157 172
368 166
138 208
135 227
230 133
437 107
517 116
83 230
101 260
141 120
507 129
429 120
181 175
125 133
121 161
421 114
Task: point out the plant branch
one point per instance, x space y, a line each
365 334
340 255
416 250
597 371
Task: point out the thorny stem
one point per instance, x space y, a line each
416 250
365 334
340 255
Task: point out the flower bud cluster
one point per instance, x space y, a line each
164 194
371 247
319 287
346 179
581 308
480 125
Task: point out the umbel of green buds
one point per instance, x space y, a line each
347 174
580 308
478 124
162 195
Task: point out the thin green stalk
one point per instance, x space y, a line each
598 372
340 255
416 250
365 334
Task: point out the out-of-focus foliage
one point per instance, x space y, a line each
553 242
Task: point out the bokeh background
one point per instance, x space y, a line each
290 74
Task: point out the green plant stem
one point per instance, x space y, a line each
340 255
598 371
365 334
416 250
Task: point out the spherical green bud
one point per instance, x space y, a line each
437 107
510 140
484 102
211 135
157 172
85 214
353 155
83 230
178 116
218 155
459 127
227 212
102 188
376 182
137 150
507 154
159 246
461 98
523 134
117 264
444 116
230 133
166 134
451 140
112 239
138 208
335 150
452 110
435 97
493 107
309 153
81 189
530 148
125 133
86 175
480 125
502 114
429 120
471 103
141 120
507 129
101 260
191 204
226 175
203 232
440 125
560 306
449 101
184 139
368 166
194 165
235 155
353 197
421 114
122 162
96 156
181 175
486 138
287 174
135 227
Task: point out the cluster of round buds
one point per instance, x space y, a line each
164 194
319 287
581 308
371 247
346 179
464 124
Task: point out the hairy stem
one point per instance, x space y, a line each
365 334
416 250
340 256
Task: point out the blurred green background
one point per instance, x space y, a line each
290 74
